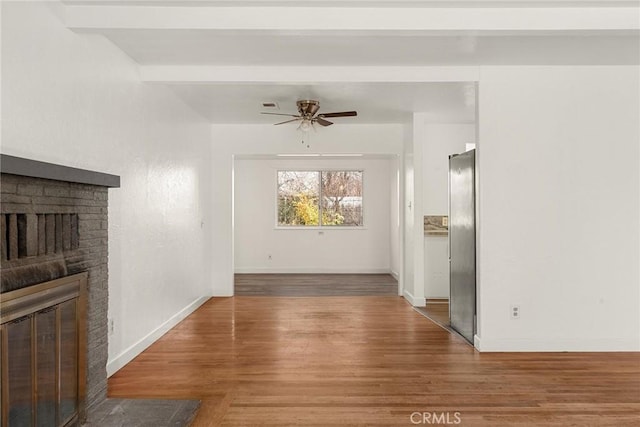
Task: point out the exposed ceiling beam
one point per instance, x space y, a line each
366 20
305 75
363 3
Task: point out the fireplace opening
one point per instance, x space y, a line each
43 353
53 226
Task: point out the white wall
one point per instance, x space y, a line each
439 141
75 99
559 207
295 250
238 140
408 208
394 216
416 210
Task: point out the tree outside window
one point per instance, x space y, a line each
320 198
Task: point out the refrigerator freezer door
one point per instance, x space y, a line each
462 244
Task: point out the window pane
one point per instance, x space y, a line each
342 198
298 195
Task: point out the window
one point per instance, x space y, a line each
320 198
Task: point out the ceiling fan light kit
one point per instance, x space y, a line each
305 125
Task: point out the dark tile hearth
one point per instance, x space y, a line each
142 413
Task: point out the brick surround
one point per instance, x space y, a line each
63 231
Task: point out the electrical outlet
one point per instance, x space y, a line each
111 328
515 312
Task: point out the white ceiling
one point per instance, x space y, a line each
177 34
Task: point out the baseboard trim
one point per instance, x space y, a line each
437 300
394 274
555 345
416 302
130 353
304 270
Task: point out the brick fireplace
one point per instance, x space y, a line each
54 225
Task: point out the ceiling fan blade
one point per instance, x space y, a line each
288 121
280 114
341 114
323 122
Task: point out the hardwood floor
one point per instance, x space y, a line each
315 285
339 361
438 312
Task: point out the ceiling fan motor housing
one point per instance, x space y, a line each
308 108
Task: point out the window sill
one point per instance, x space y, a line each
326 228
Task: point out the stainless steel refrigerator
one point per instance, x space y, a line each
462 244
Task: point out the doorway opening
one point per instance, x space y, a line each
300 231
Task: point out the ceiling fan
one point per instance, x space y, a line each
308 115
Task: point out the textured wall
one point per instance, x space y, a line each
42 198
76 100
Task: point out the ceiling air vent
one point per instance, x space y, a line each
270 105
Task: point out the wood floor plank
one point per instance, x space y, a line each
438 312
341 361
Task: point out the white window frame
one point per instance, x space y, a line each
319 226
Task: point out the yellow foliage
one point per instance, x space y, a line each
306 210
